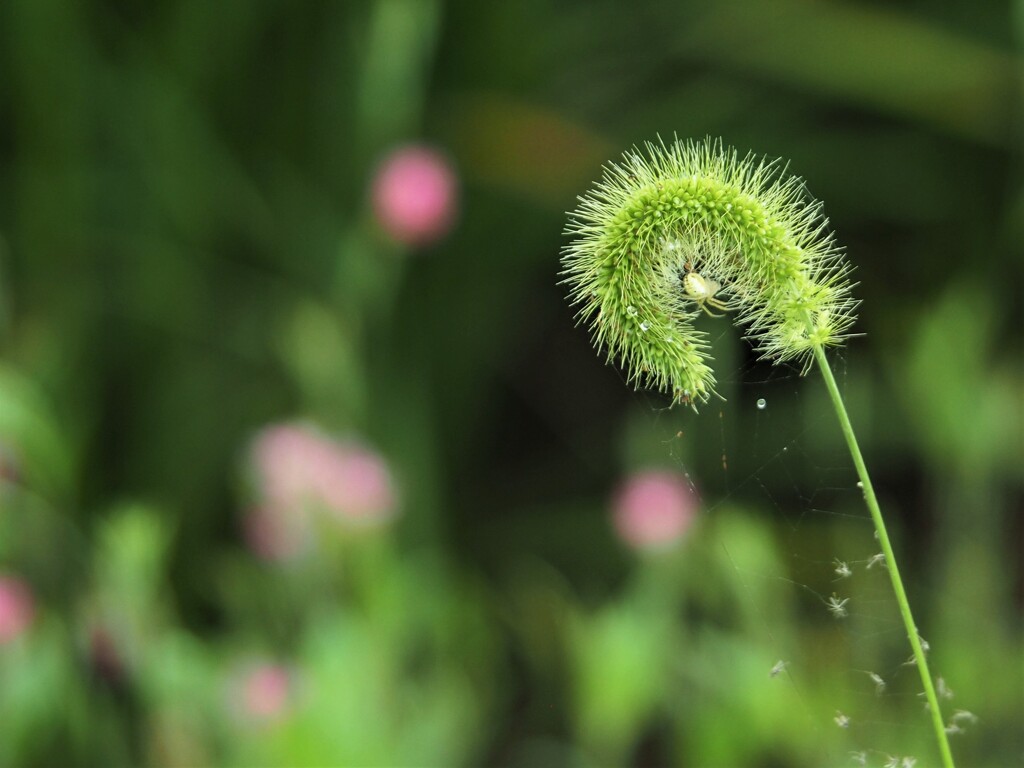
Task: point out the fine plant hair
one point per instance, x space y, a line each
689 227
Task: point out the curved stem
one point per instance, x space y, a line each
890 557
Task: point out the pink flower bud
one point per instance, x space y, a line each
653 510
262 692
266 691
358 486
17 608
414 195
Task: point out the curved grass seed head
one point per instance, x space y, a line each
690 228
686 228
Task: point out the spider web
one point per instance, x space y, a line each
841 649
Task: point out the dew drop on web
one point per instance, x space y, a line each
761 404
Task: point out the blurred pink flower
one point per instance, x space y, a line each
264 692
414 195
297 467
17 608
361 488
654 509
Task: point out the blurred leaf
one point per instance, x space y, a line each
28 428
860 54
621 661
964 402
536 152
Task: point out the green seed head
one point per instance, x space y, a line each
692 227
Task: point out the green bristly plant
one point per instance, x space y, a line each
685 228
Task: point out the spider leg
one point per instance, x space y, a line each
704 306
718 304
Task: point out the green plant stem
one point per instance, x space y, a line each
890 557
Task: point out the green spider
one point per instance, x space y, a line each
703 291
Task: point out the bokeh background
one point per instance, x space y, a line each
303 460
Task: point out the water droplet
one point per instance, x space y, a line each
762 404
860 484
631 311
644 326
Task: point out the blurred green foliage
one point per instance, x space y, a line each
188 252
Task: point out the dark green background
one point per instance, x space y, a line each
188 253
